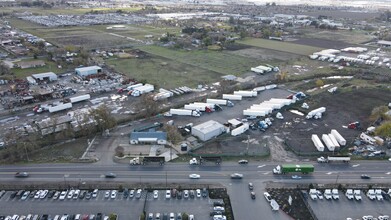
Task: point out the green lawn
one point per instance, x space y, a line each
216 61
49 67
280 46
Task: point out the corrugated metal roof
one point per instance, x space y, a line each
208 126
158 134
88 68
43 75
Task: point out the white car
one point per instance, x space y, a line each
113 194
25 195
131 193
218 208
186 194
43 194
76 194
267 196
95 193
198 193
107 194
168 194
70 194
191 217
63 195
155 194
194 176
37 194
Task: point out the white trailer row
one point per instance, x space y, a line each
338 137
60 107
333 141
267 107
220 102
143 89
184 112
329 144
232 97
79 98
163 94
245 93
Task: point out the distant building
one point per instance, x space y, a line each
156 137
30 64
87 71
49 76
384 43
208 130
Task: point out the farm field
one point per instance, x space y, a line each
280 46
162 72
67 11
220 62
350 37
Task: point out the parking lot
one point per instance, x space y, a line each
349 208
106 202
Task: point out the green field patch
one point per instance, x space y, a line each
215 61
280 46
162 72
49 67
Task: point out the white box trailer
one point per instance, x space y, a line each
264 68
275 105
257 107
132 87
256 70
232 97
143 89
249 112
316 113
60 107
246 93
220 102
285 101
239 130
271 86
210 105
317 142
162 95
259 89
267 105
334 140
329 144
79 98
195 107
339 137
184 112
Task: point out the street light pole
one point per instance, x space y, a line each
166 179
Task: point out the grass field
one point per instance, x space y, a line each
220 62
49 67
280 46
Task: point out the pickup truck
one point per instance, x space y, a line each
349 194
327 194
371 194
313 194
357 194
335 194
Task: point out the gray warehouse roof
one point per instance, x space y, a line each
208 126
44 75
158 135
88 68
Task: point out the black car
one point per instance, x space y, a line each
179 194
13 194
243 161
365 176
192 194
126 193
82 194
21 174
165 216
45 217
98 216
218 203
236 176
213 213
88 195
51 193
204 192
110 175
32 194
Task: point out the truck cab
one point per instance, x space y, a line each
277 170
371 194
193 161
349 194
322 160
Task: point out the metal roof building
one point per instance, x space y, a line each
87 71
157 137
384 43
49 76
208 130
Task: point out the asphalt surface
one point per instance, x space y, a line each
244 208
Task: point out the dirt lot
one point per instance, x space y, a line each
324 43
265 54
342 108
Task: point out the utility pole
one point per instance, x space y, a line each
248 143
166 179
25 149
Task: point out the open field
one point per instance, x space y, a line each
280 46
139 31
67 11
350 37
221 62
163 72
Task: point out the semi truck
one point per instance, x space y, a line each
60 107
142 90
147 159
183 112
232 97
79 98
220 102
201 108
316 113
213 159
333 159
293 168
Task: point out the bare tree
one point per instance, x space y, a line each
103 118
173 134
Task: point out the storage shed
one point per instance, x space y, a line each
49 76
87 71
157 137
208 130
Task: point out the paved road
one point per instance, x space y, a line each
243 206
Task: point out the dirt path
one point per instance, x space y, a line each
277 151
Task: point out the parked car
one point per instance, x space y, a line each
252 195
107 194
155 194
95 193
186 194
204 192
168 196
218 203
138 193
250 186
198 192
113 194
